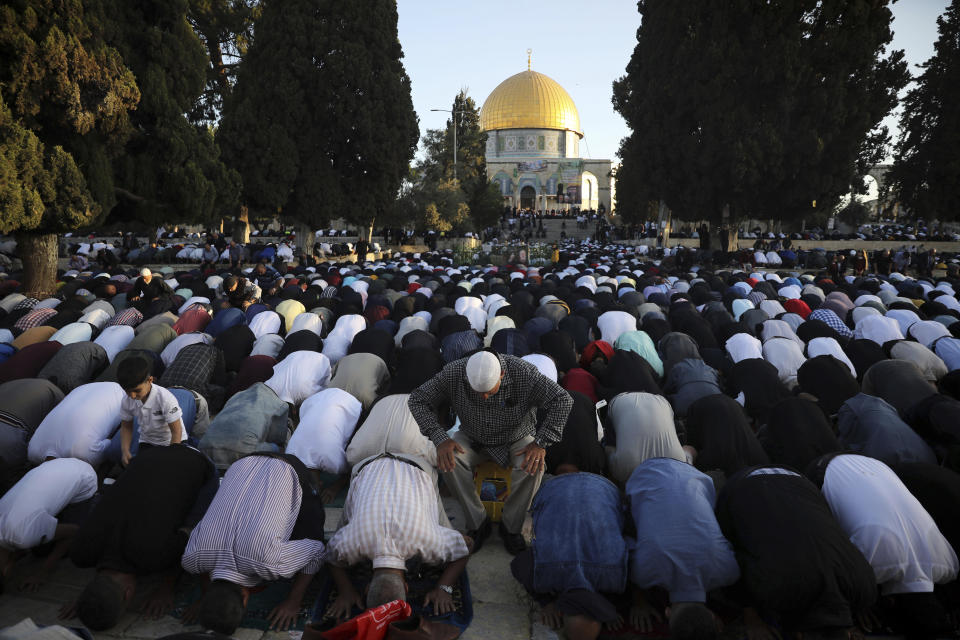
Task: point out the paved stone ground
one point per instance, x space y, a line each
502 610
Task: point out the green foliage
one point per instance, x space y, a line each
762 107
65 109
926 167
855 213
320 123
170 170
226 29
480 199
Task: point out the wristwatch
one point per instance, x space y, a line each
446 589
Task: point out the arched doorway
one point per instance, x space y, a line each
528 197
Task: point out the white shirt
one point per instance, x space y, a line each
829 347
786 356
327 420
300 375
28 511
96 317
307 322
80 426
392 514
390 427
877 328
544 364
154 415
265 322
115 339
890 527
613 323
73 332
743 346
268 344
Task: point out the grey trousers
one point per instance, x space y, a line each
522 485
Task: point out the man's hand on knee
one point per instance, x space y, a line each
534 458
446 454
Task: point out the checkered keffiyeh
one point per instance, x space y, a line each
26 303
832 320
35 318
129 317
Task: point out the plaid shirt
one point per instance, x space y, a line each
392 515
503 418
130 317
35 318
193 368
832 320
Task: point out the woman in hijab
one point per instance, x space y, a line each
578 328
414 367
639 342
644 427
797 433
628 371
899 382
828 380
675 347
580 448
719 432
375 341
304 340
759 382
559 346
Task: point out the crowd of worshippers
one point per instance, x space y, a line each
686 450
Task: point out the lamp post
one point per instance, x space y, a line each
453 113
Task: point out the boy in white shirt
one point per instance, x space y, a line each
157 409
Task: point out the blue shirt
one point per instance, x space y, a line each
578 541
679 545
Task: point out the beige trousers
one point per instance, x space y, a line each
522 485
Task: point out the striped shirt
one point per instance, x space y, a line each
392 514
245 535
503 418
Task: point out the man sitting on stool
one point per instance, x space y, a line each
496 398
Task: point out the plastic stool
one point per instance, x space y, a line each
493 485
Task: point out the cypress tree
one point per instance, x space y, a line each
756 108
926 167
320 124
64 111
171 169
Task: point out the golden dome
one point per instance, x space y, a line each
530 100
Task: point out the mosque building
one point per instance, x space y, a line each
533 147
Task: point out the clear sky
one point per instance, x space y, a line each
585 46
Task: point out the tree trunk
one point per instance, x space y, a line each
241 228
306 239
38 252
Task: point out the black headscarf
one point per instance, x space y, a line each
579 445
759 381
718 428
627 371
829 381
559 346
414 367
797 433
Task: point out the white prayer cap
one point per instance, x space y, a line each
483 371
145 272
